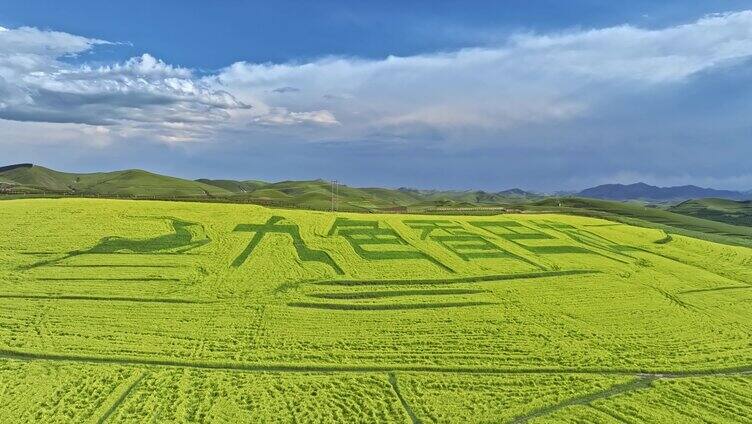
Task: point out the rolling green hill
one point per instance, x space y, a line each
477 197
721 210
639 214
316 194
29 178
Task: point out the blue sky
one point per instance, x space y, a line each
544 95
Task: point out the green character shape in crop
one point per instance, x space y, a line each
371 241
275 225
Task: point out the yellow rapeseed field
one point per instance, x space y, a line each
142 311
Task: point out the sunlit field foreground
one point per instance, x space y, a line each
128 311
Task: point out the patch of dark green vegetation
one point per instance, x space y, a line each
664 240
460 280
385 307
273 226
394 293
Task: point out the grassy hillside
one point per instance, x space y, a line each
639 214
234 186
38 179
316 194
134 311
721 210
474 197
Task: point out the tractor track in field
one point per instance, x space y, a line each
119 401
145 279
717 289
101 298
406 406
117 266
642 382
10 354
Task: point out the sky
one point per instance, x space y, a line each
541 95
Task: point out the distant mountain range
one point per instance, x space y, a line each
317 194
642 191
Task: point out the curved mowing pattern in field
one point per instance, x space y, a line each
285 337
459 280
273 226
418 293
392 293
385 306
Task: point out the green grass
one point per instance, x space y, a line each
140 311
638 214
721 210
133 182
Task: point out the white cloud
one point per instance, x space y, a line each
282 116
532 79
140 94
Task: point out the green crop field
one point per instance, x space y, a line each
145 311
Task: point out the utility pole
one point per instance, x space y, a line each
335 193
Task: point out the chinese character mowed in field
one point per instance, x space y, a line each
274 226
371 241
